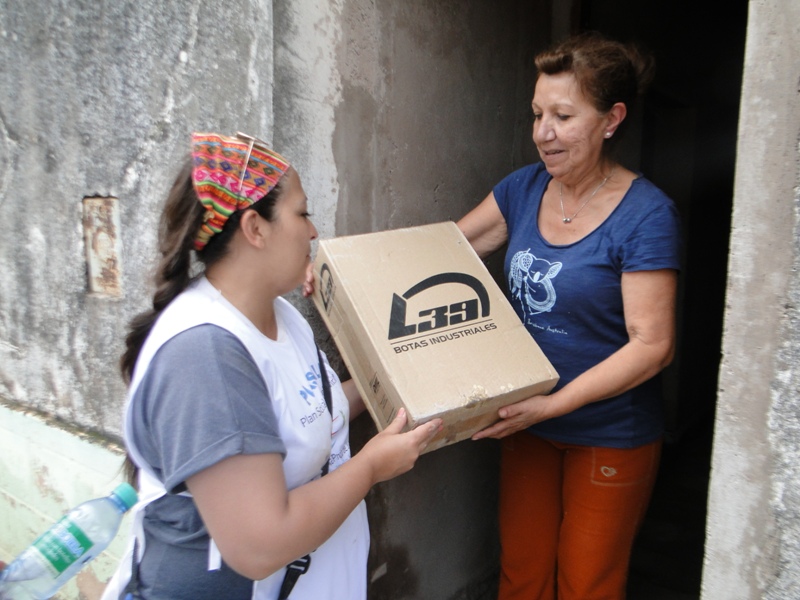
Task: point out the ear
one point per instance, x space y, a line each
614 117
253 228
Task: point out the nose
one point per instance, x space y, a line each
543 130
314 232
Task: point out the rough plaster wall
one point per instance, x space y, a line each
100 98
435 107
784 417
753 541
307 92
784 426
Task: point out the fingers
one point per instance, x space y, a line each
512 410
423 433
430 429
497 431
400 420
512 419
393 452
308 284
426 432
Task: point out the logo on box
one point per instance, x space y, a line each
438 317
326 286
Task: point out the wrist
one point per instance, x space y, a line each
561 402
364 468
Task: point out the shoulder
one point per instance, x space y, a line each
643 188
202 399
202 343
202 359
646 205
647 228
526 175
527 183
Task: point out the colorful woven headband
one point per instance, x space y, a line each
229 174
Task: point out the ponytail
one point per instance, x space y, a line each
180 222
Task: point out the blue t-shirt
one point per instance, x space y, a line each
570 299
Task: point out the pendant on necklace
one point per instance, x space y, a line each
565 219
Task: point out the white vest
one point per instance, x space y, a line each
338 567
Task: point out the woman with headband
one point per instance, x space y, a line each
235 422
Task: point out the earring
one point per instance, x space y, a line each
608 134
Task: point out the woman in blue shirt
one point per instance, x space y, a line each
591 267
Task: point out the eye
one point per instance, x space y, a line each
305 215
537 116
563 117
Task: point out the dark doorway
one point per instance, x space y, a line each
688 148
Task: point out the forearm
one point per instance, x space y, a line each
649 298
630 366
259 526
354 398
484 227
633 364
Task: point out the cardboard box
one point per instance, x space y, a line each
421 324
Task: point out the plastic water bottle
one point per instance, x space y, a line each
59 553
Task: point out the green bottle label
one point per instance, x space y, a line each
63 544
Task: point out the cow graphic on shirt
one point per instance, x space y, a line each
529 280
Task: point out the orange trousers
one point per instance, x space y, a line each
568 517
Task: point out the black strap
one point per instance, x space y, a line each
300 566
326 392
293 572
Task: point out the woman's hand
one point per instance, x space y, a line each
392 453
260 526
308 284
484 227
519 416
649 300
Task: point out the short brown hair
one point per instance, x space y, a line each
607 71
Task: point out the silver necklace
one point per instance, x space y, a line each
565 219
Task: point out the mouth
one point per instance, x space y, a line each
550 152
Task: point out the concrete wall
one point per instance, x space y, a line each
98 99
394 113
753 541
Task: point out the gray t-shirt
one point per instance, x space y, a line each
201 400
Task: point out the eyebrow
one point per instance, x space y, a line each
558 105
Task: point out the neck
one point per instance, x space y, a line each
585 184
247 296
578 200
